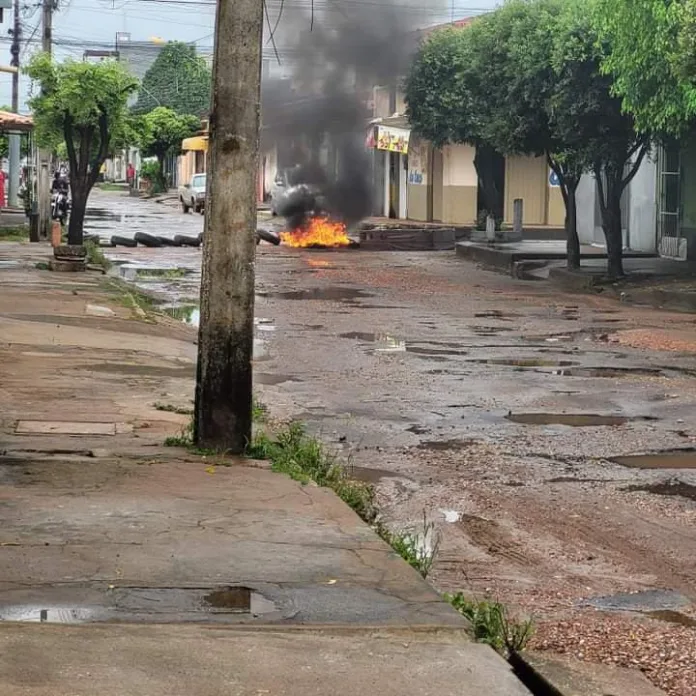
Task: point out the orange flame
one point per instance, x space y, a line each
318 231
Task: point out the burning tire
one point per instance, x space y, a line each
267 236
168 241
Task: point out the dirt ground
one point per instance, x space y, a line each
412 365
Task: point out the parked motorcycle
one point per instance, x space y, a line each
60 206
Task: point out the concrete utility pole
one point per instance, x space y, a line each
226 336
14 138
44 173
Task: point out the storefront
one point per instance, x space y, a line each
390 141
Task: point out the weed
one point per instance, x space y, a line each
170 408
95 256
183 439
492 624
14 234
140 303
163 272
42 266
258 411
109 186
418 549
305 459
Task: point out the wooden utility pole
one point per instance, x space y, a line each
13 144
226 335
44 168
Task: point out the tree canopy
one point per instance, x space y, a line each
179 79
84 105
527 79
162 132
651 57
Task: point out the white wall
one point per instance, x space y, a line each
585 198
642 222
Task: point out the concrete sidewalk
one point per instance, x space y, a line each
182 576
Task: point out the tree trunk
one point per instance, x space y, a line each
571 225
77 215
490 192
612 227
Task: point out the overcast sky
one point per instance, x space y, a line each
83 24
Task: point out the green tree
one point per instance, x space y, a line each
85 106
162 132
650 54
447 102
178 79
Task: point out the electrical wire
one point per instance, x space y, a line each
268 20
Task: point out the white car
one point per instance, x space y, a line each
192 195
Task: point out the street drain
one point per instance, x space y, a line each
525 362
666 488
574 420
667 459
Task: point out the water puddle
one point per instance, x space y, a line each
666 488
136 604
271 380
668 459
386 343
610 372
496 314
369 475
525 362
647 601
330 294
673 617
573 420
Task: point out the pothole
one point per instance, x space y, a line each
525 362
673 617
666 488
641 602
611 372
667 459
369 475
573 420
331 293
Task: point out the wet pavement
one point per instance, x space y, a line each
383 354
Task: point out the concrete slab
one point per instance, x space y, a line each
191 660
183 525
29 427
558 674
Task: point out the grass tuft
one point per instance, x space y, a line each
14 234
418 549
491 623
95 256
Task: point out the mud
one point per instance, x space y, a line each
672 459
673 617
183 372
666 488
573 420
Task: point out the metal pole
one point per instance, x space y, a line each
226 336
14 138
44 173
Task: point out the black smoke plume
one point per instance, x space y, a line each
319 117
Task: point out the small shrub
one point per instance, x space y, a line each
481 221
183 439
492 624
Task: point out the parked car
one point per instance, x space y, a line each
192 195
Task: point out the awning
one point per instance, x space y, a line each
15 122
198 143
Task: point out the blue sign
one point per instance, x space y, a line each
554 180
